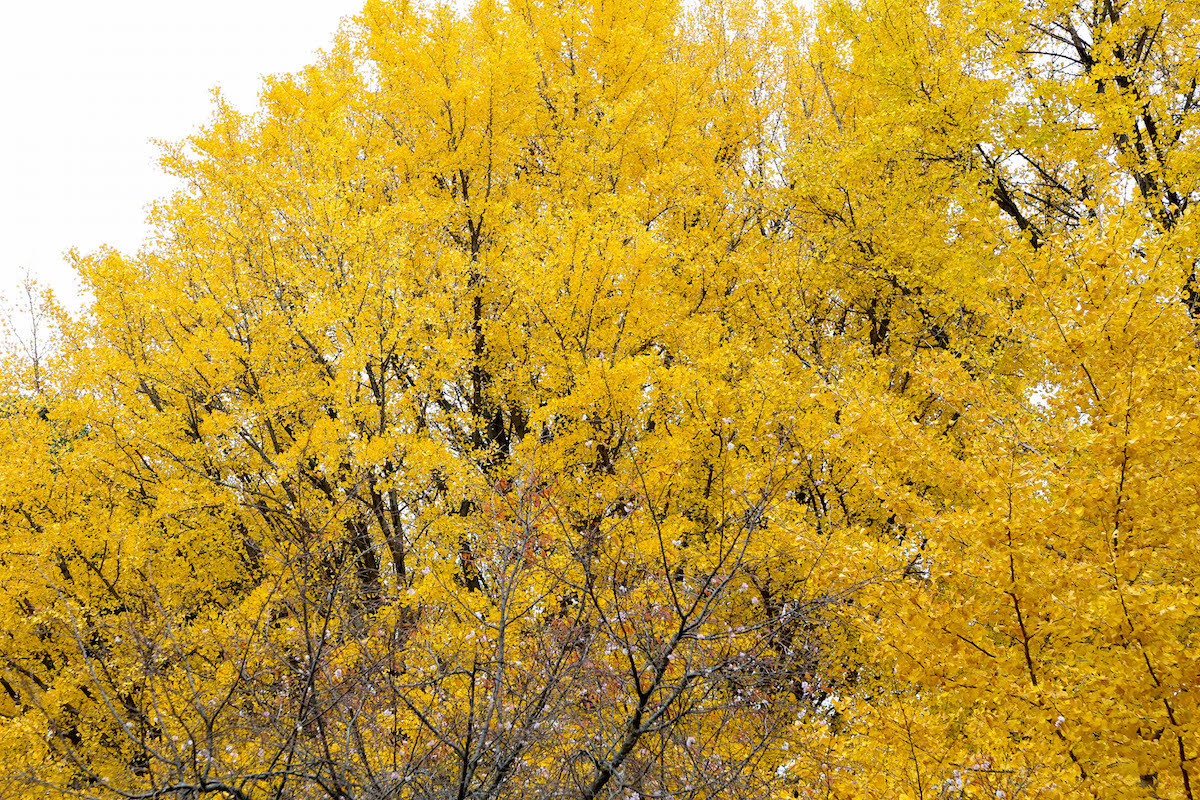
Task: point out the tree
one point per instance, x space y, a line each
1009 190
582 400
424 455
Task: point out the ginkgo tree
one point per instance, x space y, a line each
421 455
1009 200
612 400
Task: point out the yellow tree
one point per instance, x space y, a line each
589 400
426 452
1008 203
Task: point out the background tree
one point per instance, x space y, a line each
1009 202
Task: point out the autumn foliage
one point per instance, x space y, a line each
593 400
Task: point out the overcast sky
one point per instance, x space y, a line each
89 84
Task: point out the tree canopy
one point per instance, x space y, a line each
631 400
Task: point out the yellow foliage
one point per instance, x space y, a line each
616 400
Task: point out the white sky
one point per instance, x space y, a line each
88 84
